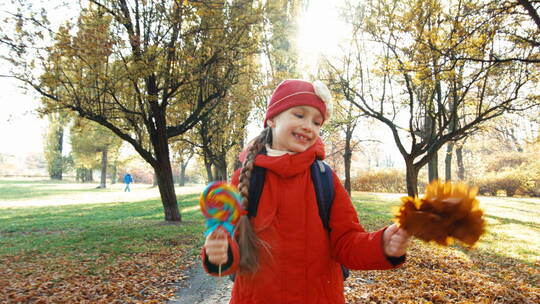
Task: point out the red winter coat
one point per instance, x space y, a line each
301 264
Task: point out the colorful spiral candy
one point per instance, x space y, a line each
221 204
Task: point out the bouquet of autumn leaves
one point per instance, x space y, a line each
446 212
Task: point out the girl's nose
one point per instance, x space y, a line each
306 126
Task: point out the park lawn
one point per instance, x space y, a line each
504 267
28 189
124 252
121 252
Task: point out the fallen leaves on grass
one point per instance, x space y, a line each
147 277
435 274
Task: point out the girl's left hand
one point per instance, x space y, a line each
395 241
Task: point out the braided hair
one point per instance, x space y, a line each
247 239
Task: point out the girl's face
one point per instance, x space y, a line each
295 129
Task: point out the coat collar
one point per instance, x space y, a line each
288 165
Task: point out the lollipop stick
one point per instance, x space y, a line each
219 270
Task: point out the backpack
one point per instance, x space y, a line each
323 182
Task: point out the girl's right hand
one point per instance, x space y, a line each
216 246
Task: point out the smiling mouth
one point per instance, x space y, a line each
301 137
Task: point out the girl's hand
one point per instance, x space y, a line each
395 241
216 246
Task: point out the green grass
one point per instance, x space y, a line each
513 224
373 211
26 189
113 228
91 245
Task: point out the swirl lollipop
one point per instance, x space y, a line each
221 205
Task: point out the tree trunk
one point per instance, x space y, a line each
215 172
182 177
459 160
237 162
183 166
164 179
90 176
433 167
167 192
155 180
114 173
209 175
103 183
412 178
448 162
58 162
162 164
78 175
221 167
347 163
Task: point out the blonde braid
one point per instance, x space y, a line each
247 239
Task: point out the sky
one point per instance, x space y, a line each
23 130
320 33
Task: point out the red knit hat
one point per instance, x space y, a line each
293 92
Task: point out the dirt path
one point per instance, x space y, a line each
200 288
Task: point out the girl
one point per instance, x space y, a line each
284 254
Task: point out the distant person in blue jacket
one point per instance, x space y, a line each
127 180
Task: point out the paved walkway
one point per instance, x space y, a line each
200 288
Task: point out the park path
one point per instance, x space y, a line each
200 288
113 193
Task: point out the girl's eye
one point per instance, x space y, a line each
318 124
298 115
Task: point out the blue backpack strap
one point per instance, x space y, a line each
256 184
323 182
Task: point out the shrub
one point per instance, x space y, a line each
486 185
505 161
387 180
140 175
512 182
531 175
514 173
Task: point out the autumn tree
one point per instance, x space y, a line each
427 98
279 52
220 138
54 145
144 70
350 66
517 30
93 144
279 37
182 153
223 129
244 95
